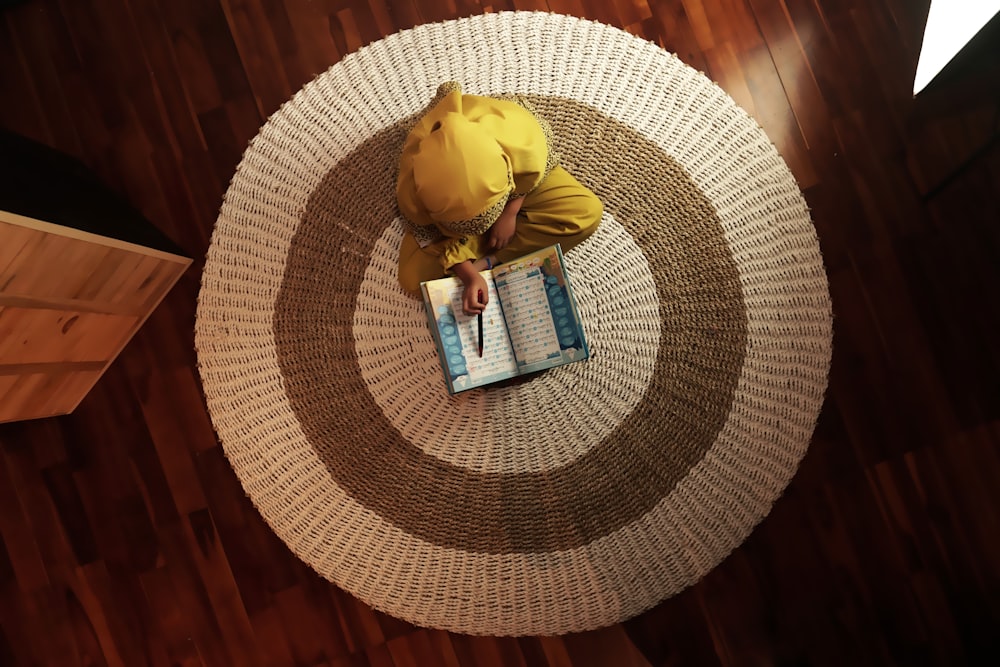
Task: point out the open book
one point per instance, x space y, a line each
530 324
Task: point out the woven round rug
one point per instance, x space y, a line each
583 495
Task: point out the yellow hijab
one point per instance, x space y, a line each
460 170
465 157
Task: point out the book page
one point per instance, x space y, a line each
529 319
459 337
540 312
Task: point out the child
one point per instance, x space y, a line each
479 184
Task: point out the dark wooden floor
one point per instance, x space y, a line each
127 540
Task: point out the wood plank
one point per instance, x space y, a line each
21 547
8 220
55 348
35 391
263 39
39 336
43 44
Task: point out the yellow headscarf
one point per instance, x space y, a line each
465 157
460 171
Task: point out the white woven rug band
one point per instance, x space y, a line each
589 493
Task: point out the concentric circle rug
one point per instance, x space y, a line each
586 494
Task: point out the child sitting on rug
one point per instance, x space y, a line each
479 184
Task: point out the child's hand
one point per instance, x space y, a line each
475 296
502 231
475 285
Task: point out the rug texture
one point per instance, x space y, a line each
591 492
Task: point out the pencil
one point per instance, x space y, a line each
480 319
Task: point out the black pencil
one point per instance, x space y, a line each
480 319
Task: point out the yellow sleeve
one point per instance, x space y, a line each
456 251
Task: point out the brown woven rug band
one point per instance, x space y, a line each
591 492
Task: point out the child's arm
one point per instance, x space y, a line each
475 287
502 231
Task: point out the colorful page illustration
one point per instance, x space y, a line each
458 337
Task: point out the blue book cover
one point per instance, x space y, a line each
530 324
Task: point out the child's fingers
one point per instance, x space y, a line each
472 305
